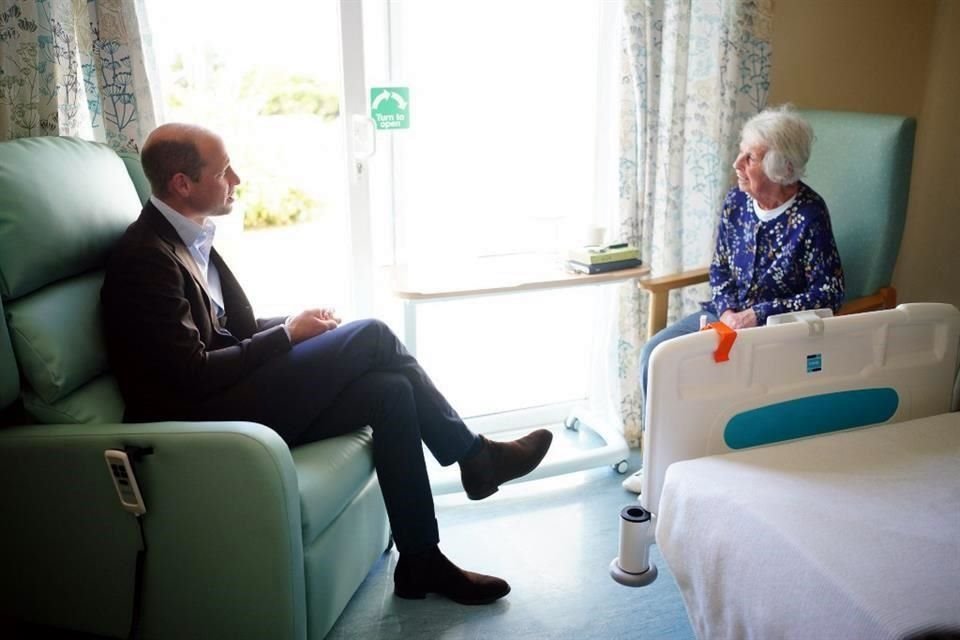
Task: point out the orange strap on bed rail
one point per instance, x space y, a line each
727 337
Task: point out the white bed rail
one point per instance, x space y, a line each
795 380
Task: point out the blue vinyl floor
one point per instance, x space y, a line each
552 540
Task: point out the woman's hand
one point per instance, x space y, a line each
739 319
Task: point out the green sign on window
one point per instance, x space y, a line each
390 107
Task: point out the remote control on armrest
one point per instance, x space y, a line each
125 482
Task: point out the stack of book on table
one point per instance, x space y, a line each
603 259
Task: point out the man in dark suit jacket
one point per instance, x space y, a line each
185 345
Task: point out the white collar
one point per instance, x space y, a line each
766 215
192 234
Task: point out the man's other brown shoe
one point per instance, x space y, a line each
498 462
418 574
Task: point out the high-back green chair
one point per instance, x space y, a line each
861 165
245 538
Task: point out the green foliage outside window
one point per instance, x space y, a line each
236 98
266 90
265 206
288 94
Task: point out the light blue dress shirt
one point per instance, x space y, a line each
199 242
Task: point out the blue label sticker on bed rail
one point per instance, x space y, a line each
810 416
814 363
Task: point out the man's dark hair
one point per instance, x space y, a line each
163 159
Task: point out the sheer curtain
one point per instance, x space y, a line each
75 69
693 72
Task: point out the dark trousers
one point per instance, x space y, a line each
356 375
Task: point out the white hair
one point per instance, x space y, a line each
787 138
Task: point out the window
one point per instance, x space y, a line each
501 157
269 82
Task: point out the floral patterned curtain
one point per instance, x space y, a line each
74 68
693 72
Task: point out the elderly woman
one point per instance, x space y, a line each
775 250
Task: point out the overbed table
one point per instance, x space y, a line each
589 442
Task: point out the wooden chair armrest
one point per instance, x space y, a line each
675 280
885 298
660 289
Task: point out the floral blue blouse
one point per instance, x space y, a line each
786 264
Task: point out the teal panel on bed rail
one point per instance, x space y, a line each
810 416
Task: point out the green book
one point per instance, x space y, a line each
603 267
601 255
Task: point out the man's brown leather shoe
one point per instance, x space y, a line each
497 462
418 574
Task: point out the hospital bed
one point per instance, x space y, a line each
809 486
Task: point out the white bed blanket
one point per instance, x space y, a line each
849 535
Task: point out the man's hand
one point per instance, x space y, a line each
739 319
328 313
310 323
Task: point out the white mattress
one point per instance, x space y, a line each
849 535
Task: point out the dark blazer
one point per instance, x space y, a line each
164 342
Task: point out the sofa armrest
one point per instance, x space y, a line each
225 555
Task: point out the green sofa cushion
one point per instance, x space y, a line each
9 375
99 401
63 203
135 169
57 337
330 474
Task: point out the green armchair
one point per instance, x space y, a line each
860 164
246 538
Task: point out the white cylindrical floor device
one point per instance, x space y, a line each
633 567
